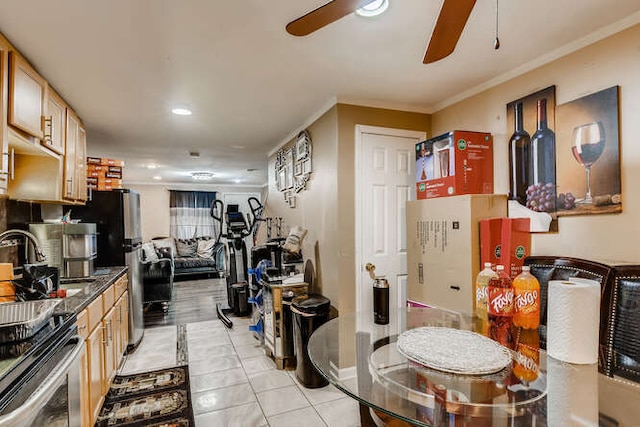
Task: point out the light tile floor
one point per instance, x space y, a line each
233 383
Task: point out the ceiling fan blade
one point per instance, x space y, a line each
324 15
451 21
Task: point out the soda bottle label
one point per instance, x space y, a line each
526 302
500 301
481 294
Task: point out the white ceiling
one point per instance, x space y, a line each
123 64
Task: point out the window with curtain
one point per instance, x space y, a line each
189 214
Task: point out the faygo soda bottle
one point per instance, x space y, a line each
526 290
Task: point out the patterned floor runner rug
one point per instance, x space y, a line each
157 399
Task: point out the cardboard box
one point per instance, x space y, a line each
516 244
112 162
490 241
505 241
443 248
455 163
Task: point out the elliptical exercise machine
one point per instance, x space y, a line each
237 276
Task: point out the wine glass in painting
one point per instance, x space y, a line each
587 147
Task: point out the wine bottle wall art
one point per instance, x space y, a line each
532 152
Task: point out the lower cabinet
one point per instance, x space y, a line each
104 326
95 350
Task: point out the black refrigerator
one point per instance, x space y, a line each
116 214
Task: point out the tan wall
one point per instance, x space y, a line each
327 207
154 205
610 62
316 206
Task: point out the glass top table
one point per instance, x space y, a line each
361 359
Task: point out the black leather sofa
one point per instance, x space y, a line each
157 277
187 262
619 352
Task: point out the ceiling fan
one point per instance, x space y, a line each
451 21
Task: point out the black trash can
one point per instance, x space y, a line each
288 349
309 313
240 292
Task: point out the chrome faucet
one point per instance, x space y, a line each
40 256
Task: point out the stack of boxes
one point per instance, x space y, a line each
457 223
104 174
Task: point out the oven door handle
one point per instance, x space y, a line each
37 400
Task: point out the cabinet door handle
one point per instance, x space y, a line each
109 331
104 335
12 164
48 129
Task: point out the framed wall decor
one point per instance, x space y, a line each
293 168
589 177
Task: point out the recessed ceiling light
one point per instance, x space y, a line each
374 8
237 181
181 111
202 175
157 177
152 166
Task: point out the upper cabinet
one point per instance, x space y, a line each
70 166
26 96
75 174
81 165
54 122
4 96
42 140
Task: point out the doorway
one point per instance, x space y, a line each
385 181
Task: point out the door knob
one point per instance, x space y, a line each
371 269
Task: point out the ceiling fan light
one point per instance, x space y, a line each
374 8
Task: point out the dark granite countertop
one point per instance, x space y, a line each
81 293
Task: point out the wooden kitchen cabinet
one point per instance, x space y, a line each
95 349
26 96
34 129
102 324
54 121
70 161
109 350
81 166
75 172
4 99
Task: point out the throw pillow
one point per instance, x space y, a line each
186 249
169 242
149 252
205 248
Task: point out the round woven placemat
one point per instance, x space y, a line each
453 350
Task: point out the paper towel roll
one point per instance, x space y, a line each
573 320
572 394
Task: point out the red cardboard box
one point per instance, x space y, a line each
505 241
490 241
457 162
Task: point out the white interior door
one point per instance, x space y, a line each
385 181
